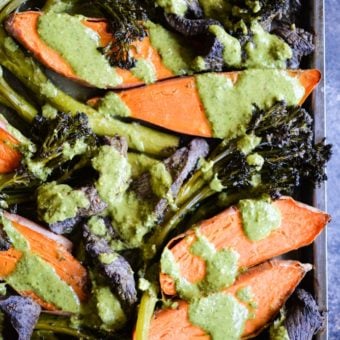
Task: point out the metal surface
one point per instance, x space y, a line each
319 195
316 253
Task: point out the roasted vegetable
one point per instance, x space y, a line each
176 104
26 70
54 199
271 283
23 314
125 23
288 155
59 141
50 248
23 27
112 265
301 318
153 192
300 225
299 40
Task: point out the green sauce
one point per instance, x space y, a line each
25 143
38 169
107 258
217 9
278 330
97 226
184 288
248 143
34 274
17 240
111 104
145 71
221 266
216 184
3 289
220 315
161 180
140 163
133 217
256 160
178 7
70 151
244 294
221 269
259 218
49 112
231 46
175 54
266 50
79 46
109 309
59 202
229 106
114 173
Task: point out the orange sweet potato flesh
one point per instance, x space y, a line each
23 27
10 156
271 284
300 225
55 254
175 104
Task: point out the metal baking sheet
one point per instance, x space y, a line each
315 281
319 248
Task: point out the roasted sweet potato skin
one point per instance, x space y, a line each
271 284
300 225
55 254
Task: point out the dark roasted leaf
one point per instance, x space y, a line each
23 314
114 267
302 318
180 165
96 206
300 41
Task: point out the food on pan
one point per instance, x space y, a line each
151 158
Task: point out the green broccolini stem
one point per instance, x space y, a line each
4 101
139 137
15 101
4 3
54 325
157 240
9 8
145 313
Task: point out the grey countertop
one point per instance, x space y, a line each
333 136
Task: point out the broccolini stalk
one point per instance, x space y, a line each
15 101
27 70
282 153
7 7
58 324
145 313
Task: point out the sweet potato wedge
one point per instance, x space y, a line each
10 156
300 225
271 283
52 249
23 27
175 104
